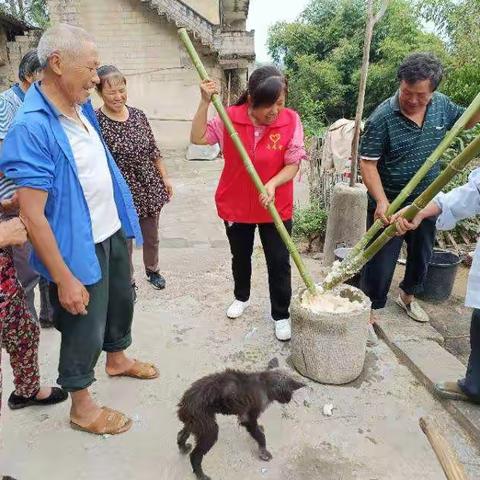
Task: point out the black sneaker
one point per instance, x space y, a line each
156 280
134 292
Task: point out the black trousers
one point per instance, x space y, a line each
471 383
377 275
241 237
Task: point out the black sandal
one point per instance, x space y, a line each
57 395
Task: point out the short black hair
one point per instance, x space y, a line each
29 65
421 66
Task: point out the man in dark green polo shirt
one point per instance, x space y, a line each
399 136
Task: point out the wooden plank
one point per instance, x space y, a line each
452 241
441 239
446 456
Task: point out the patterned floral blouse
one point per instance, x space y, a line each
133 146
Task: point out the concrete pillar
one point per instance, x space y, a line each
346 220
237 81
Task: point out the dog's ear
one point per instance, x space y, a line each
273 363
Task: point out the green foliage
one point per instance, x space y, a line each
458 21
322 55
309 223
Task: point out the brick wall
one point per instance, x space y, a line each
145 46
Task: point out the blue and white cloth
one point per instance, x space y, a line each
10 102
458 204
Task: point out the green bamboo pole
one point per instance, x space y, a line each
345 271
249 165
459 126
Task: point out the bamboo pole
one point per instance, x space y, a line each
459 126
347 270
306 277
446 456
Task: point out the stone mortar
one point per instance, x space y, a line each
328 347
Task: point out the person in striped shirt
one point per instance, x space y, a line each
398 137
10 102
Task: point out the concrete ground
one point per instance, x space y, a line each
372 435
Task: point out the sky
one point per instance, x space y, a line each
264 13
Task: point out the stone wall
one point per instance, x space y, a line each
10 55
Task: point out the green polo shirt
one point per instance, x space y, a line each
401 147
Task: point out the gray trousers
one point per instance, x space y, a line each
29 279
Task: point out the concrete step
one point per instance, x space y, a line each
420 347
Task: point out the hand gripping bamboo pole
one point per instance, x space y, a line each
249 165
347 270
459 126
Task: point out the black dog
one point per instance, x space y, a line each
232 392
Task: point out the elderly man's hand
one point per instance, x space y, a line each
73 296
12 233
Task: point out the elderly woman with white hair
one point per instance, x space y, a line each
79 212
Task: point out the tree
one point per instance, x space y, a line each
31 11
322 56
458 21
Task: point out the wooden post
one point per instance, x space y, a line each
371 21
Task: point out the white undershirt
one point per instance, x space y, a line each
94 176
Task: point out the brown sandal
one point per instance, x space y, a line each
140 370
109 422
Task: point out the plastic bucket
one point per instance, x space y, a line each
340 254
441 274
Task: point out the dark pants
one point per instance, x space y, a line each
107 326
377 275
241 237
471 383
29 280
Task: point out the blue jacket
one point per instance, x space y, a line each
37 154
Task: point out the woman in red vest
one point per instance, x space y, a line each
273 137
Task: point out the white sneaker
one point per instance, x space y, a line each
237 308
283 330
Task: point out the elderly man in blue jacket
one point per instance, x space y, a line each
78 212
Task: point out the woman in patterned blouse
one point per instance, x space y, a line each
130 139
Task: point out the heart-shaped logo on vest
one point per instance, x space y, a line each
274 138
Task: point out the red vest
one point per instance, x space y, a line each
237 198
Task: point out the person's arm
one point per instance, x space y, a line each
72 294
286 174
157 158
27 160
460 203
12 233
160 164
198 134
454 112
371 179
372 148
